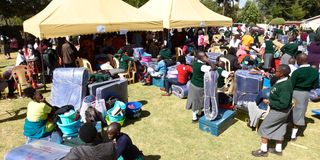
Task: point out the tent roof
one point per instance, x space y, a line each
184 13
74 17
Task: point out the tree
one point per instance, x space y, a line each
296 12
250 13
289 9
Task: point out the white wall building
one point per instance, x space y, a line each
313 22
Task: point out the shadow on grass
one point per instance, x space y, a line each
301 129
15 115
316 116
152 157
143 102
130 121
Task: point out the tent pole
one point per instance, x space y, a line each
42 67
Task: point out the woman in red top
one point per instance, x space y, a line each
184 71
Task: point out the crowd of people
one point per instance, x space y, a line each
292 68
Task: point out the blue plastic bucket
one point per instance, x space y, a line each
136 109
69 129
68 117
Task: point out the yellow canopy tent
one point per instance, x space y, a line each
74 17
184 13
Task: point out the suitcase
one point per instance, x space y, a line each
38 150
181 91
118 89
159 82
284 39
69 86
93 87
224 119
213 57
137 52
246 87
172 72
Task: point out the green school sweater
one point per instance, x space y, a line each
220 78
269 47
281 95
305 79
290 49
197 75
166 53
123 62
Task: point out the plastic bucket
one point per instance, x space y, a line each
71 128
68 117
134 110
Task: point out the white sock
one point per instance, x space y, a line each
294 133
264 147
194 115
279 147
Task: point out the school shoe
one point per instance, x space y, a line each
293 139
259 153
195 121
162 89
273 150
166 94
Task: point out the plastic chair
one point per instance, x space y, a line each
22 77
130 74
82 62
227 62
214 49
117 62
178 52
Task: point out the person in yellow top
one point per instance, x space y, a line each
247 41
37 124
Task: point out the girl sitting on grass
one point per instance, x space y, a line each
37 124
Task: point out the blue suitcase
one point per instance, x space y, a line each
213 57
93 87
159 82
181 91
220 124
246 87
69 86
118 89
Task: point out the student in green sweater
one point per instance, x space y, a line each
196 91
268 52
289 50
303 80
275 124
124 57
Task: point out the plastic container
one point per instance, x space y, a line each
121 122
69 129
68 117
135 111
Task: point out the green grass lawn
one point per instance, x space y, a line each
165 131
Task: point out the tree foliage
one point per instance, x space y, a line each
289 9
250 13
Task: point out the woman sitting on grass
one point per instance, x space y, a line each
37 125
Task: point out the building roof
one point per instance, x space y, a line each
312 18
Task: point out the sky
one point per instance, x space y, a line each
242 3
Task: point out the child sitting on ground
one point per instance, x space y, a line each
123 143
93 149
37 124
